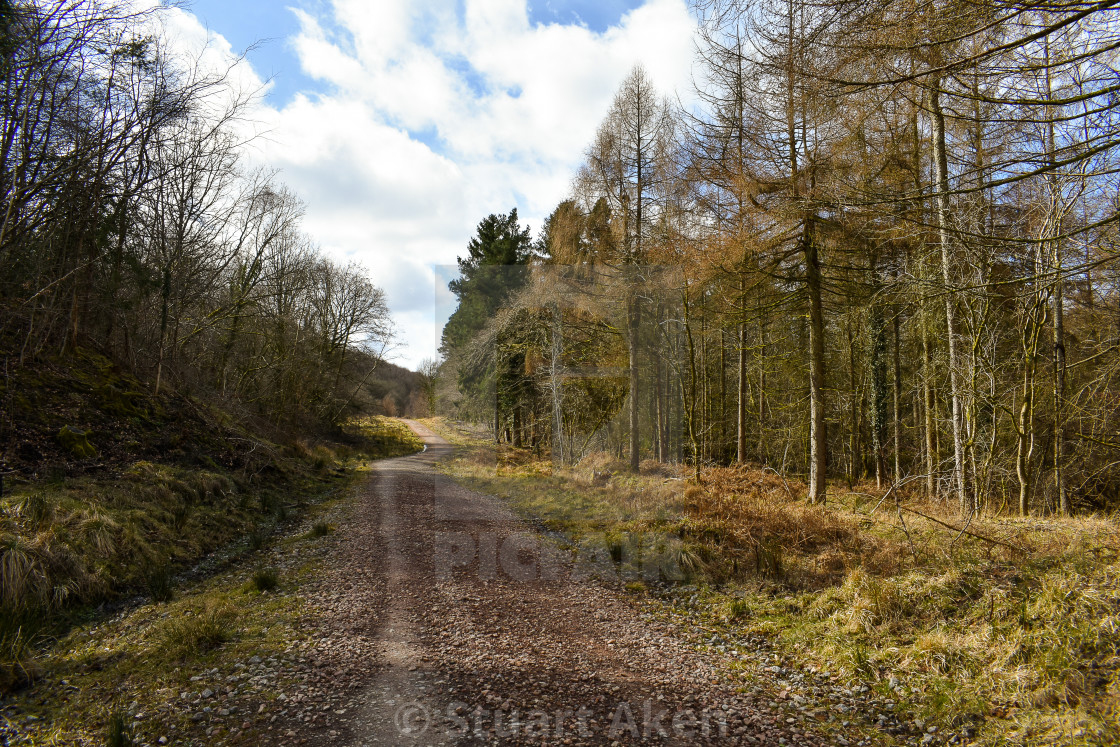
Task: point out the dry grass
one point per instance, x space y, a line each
93 538
148 653
381 438
196 631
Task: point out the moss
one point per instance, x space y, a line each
120 402
76 442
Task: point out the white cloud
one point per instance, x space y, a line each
432 115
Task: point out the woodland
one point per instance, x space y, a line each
872 253
881 246
134 227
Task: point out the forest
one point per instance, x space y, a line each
183 371
881 246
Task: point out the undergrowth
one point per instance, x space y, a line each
149 653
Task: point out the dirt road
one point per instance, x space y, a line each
443 619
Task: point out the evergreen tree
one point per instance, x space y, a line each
493 269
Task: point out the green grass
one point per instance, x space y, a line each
21 632
320 529
69 544
196 630
265 579
120 732
379 437
161 585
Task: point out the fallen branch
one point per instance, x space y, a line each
964 530
890 490
780 477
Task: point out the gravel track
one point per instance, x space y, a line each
442 619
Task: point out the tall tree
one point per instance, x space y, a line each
625 165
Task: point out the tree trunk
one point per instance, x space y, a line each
896 393
1059 382
659 399
818 444
941 166
633 320
741 414
555 381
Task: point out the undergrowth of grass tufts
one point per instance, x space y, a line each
65 544
381 438
265 579
161 583
197 630
320 529
119 733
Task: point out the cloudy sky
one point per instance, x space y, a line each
402 123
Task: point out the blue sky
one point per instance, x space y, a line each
265 28
402 123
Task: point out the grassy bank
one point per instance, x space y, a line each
70 545
196 668
1007 632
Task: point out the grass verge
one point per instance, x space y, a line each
205 667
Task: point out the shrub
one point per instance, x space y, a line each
320 529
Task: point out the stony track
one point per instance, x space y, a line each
442 619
